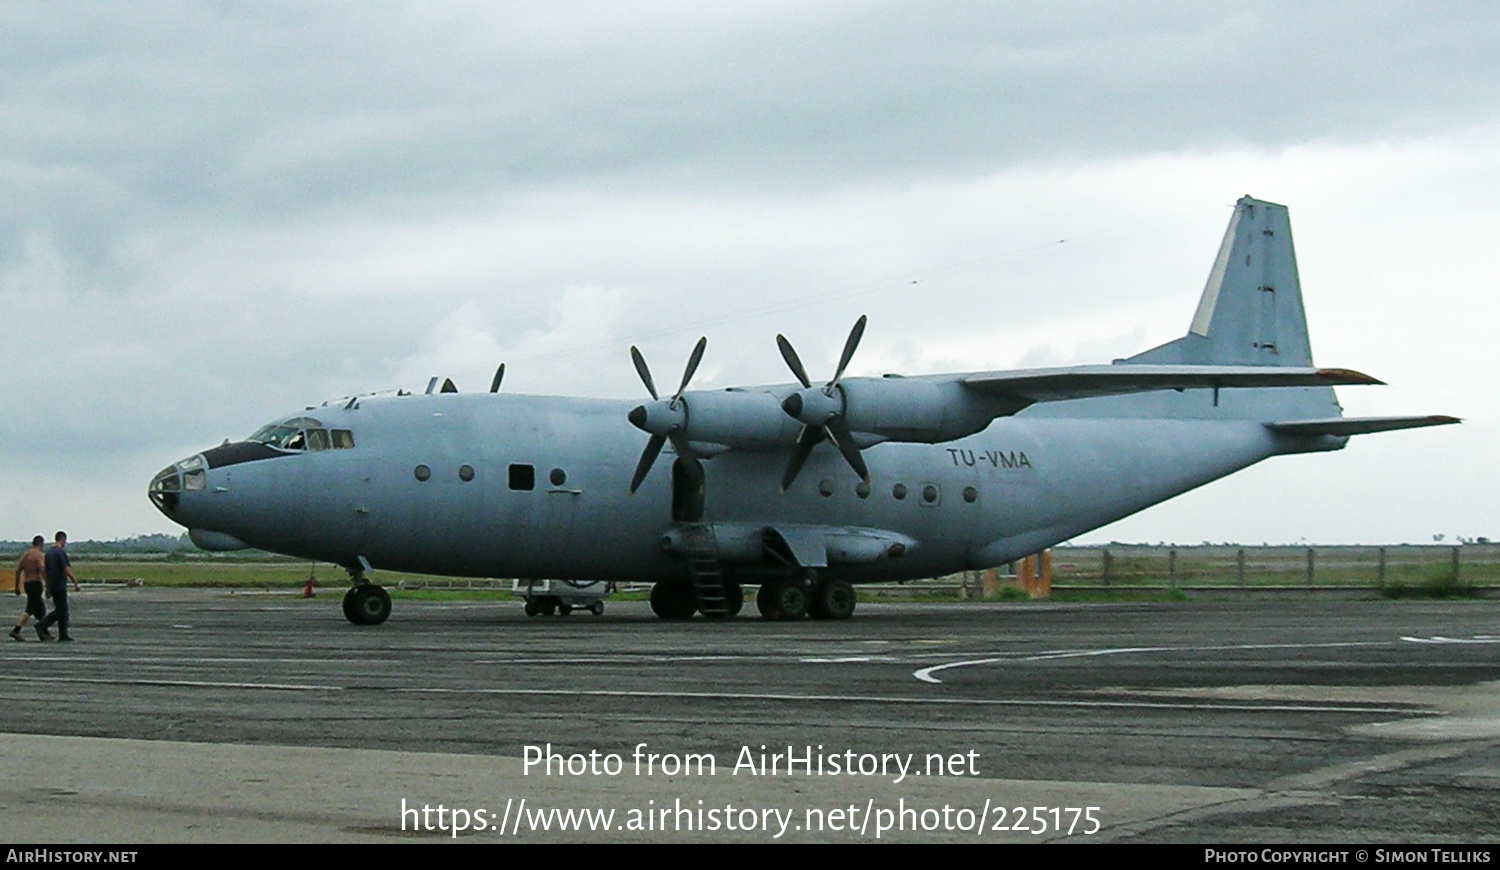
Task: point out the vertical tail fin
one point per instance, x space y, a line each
1251 314
1251 309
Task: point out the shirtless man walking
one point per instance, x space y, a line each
29 572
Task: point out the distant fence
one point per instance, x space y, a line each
1220 567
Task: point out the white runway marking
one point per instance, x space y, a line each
1478 638
926 674
896 699
192 684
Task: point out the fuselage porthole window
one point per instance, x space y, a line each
929 493
523 477
422 472
898 492
971 494
558 477
825 488
862 489
466 473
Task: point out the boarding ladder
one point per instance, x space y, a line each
703 562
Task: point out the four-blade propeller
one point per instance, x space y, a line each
821 410
662 420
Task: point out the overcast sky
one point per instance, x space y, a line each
212 215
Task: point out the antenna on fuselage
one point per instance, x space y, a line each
499 376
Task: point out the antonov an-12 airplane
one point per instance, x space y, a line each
804 489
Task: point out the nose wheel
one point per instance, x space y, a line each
367 604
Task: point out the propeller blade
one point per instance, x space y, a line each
843 439
645 373
850 346
648 458
793 361
499 376
807 439
692 368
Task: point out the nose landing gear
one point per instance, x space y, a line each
367 603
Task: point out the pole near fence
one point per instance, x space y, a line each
1107 559
1380 568
1172 568
1309 566
1239 566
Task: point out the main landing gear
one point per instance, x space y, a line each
784 598
679 599
366 603
795 597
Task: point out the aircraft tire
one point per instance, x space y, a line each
782 599
564 609
597 608
673 599
368 605
549 606
833 599
533 607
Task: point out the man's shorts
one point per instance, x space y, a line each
34 603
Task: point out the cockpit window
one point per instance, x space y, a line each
303 433
276 435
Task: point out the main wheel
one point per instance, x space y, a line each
673 599
832 599
533 607
782 599
564 609
596 608
367 605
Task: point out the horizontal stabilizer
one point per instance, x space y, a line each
1086 382
1343 426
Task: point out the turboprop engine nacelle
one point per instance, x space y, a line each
900 409
737 419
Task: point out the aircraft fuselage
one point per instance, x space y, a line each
529 486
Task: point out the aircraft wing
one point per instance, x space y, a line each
1085 382
1359 425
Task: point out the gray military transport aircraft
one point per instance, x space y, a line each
803 489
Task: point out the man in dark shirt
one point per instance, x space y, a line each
59 574
29 572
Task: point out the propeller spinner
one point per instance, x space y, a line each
662 419
821 410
